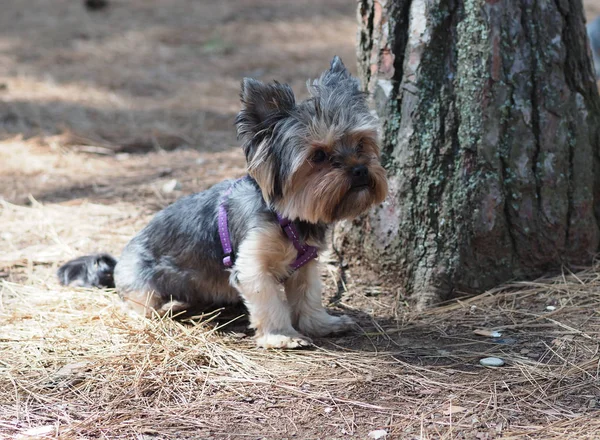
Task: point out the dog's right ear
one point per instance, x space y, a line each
263 105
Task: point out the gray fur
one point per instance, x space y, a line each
179 254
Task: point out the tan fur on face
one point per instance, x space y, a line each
321 192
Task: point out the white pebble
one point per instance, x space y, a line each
378 433
487 333
551 308
491 362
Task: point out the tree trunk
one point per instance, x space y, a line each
490 137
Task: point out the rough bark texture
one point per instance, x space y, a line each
490 136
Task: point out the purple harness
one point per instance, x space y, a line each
305 252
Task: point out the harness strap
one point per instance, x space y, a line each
224 229
305 252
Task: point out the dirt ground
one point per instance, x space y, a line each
108 116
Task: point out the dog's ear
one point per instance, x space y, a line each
263 105
337 66
336 76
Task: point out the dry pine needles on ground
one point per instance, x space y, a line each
73 364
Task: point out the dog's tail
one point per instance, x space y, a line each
88 271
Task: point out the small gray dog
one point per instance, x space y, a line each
314 163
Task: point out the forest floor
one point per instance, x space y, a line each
107 117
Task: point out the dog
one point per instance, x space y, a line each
310 164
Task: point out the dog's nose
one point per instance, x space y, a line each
360 175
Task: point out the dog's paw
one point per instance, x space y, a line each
283 341
325 324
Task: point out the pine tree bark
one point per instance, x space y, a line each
491 141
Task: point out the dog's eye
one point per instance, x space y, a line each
319 156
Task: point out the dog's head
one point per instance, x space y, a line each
317 160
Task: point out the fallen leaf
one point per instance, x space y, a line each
74 368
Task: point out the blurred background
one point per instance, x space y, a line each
130 93
115 99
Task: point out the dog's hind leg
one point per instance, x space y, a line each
149 304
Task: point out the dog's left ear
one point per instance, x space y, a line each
336 76
337 66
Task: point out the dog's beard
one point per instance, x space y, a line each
327 196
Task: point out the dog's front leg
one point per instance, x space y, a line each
303 291
259 264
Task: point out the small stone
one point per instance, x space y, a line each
487 333
491 362
551 308
170 186
378 433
